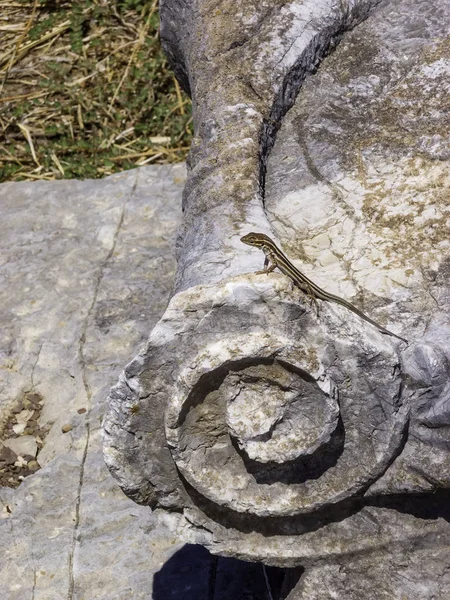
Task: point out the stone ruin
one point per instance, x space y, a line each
249 423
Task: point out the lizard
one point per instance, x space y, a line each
274 257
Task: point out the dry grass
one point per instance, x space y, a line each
85 90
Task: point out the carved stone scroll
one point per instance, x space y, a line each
252 424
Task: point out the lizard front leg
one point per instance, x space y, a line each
268 258
266 268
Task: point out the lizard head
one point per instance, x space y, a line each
260 240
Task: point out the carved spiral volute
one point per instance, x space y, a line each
277 429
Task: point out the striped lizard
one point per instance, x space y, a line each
274 257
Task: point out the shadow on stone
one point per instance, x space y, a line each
283 581
193 573
429 506
300 469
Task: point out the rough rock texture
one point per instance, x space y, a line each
358 186
243 65
267 431
86 267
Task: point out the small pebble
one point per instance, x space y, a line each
81 411
66 428
8 456
19 428
34 397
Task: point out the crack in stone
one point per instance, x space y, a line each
252 88
321 45
82 362
34 367
33 589
77 517
291 45
256 30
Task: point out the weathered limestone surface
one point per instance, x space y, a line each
86 267
266 431
243 64
364 198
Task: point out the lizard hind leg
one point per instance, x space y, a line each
309 295
312 300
